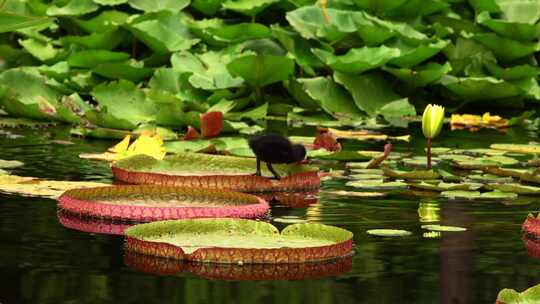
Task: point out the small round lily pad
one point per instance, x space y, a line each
155 202
239 241
443 228
389 232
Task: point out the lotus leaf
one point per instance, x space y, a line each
421 75
123 105
330 96
261 70
43 51
480 88
92 58
444 228
106 21
389 232
11 21
506 49
414 55
163 32
513 30
207 70
73 8
248 7
239 241
358 60
159 5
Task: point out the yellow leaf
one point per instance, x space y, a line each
476 121
148 145
121 146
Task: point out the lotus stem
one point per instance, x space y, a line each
429 153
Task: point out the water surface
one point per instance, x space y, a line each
43 262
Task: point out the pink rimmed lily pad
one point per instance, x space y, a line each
154 202
213 171
250 272
237 241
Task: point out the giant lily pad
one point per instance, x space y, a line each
92 224
213 171
510 296
154 202
239 241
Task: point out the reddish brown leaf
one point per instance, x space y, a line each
191 133
211 124
327 140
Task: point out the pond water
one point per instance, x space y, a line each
43 262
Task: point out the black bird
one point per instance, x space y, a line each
275 149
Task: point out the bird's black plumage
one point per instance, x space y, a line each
275 149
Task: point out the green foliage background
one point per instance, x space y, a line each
127 64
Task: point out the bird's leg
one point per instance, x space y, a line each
258 172
269 166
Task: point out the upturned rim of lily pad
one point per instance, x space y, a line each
141 169
157 239
110 202
247 272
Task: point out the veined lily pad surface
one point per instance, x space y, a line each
213 171
156 202
239 241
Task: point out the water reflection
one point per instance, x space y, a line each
92 224
233 272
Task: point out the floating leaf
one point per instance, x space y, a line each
480 88
214 240
389 232
73 8
513 30
515 188
510 296
517 148
417 174
443 228
413 55
31 186
477 121
10 163
507 49
355 194
377 185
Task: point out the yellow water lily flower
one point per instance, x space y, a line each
432 120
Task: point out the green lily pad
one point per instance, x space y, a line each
261 70
510 296
517 148
363 194
159 5
515 188
419 161
216 171
377 185
238 241
10 163
480 88
489 178
389 232
506 49
443 228
480 163
11 21
367 176
442 186
476 195
512 30
417 174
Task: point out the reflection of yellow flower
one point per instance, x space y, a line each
432 120
428 212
